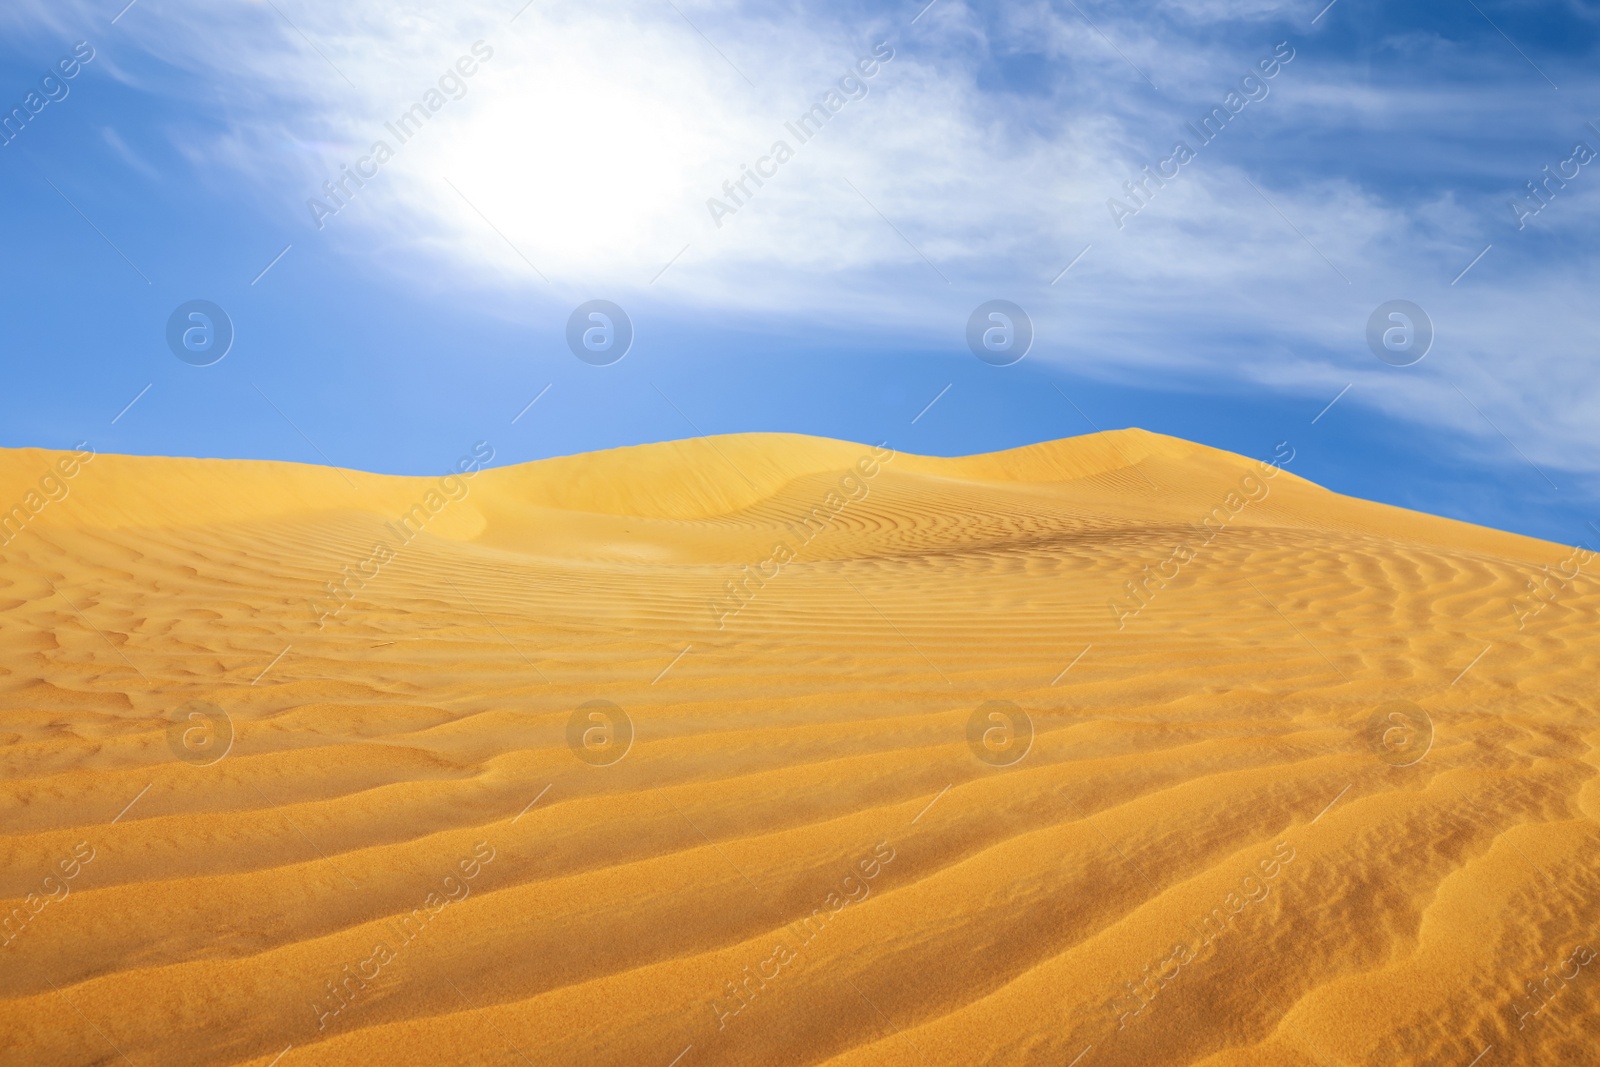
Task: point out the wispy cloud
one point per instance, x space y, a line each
989 145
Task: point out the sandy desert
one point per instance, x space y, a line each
767 749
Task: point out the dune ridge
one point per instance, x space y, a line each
716 889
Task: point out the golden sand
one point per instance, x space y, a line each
714 752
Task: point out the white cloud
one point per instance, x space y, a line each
593 138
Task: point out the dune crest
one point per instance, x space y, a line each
765 749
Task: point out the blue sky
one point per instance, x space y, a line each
977 160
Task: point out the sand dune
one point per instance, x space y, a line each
683 754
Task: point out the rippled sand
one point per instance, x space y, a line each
424 843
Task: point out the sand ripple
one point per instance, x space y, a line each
791 855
